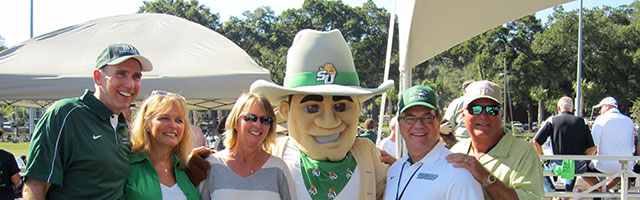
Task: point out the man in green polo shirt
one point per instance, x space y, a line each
80 146
507 167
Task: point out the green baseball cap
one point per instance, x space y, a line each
418 95
117 53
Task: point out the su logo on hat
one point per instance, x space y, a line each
326 73
419 94
127 49
487 87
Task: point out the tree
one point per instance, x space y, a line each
539 94
2 45
635 110
191 11
609 46
521 64
392 100
540 59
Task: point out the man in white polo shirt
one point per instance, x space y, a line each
425 173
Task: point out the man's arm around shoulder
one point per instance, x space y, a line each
35 189
15 178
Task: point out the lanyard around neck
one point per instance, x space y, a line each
400 179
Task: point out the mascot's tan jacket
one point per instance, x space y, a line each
373 173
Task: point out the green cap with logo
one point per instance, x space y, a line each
117 53
418 95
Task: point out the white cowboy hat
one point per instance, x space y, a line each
319 62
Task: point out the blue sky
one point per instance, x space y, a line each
52 15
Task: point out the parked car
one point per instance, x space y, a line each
8 125
534 126
517 127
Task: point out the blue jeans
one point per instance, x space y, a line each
581 167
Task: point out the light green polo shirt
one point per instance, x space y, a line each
514 162
76 149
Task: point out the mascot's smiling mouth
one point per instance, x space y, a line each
327 139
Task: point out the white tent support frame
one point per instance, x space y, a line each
387 65
440 25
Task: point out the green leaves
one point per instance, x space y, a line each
540 59
191 11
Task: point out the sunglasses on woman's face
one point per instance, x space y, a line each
265 120
492 110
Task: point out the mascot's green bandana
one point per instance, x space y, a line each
321 99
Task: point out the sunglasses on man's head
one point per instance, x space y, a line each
477 109
164 93
253 118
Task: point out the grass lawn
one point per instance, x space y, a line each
17 149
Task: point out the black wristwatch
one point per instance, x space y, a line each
490 180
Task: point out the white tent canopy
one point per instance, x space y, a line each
192 60
429 27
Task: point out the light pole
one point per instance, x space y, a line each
579 73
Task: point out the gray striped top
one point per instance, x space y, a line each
272 181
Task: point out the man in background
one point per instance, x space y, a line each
369 130
613 134
387 145
453 122
569 136
9 175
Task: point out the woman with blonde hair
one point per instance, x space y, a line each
161 143
246 170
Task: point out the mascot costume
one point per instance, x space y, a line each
321 99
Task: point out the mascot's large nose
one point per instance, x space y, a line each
328 119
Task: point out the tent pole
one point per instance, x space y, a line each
31 22
387 65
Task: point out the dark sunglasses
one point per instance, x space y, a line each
253 118
491 110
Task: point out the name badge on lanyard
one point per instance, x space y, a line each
400 180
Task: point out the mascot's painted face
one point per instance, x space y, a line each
324 126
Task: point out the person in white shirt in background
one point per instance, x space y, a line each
613 135
387 145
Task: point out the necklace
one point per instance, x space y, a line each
248 163
159 164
